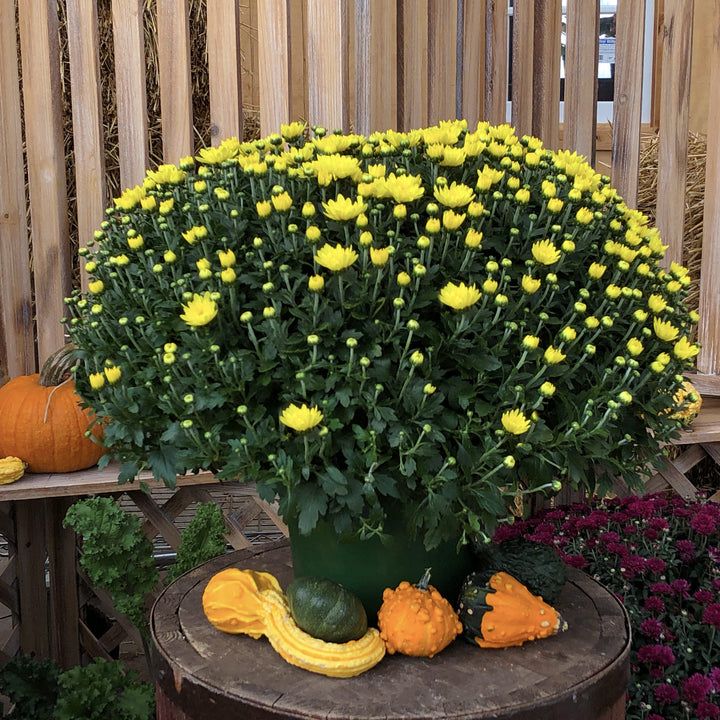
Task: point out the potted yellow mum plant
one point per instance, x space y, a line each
411 328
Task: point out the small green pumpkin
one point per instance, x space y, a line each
326 610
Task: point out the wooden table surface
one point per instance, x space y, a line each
581 673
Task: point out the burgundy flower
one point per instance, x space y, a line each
576 561
686 550
658 523
696 687
703 596
666 693
703 523
654 604
652 628
556 514
681 587
609 536
651 534
656 565
707 710
630 530
617 548
661 588
711 616
681 512
655 716
714 677
507 532
656 655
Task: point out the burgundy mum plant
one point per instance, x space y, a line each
660 555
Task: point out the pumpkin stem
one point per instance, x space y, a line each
56 370
49 398
424 580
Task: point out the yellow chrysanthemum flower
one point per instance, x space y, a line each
166 175
130 198
665 330
452 220
316 283
301 419
282 202
555 205
473 239
515 422
264 208
530 284
553 356
379 256
335 167
336 258
97 380
403 188
584 216
343 208
454 195
684 349
201 310
545 252
113 374
96 287
227 258
292 131
459 297
596 270
634 346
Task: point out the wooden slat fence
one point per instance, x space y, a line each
363 65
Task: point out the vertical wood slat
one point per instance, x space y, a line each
673 131
129 50
88 144
17 347
173 39
546 72
376 90
298 64
708 360
442 60
273 28
413 67
581 62
522 61
328 42
223 43
473 76
42 111
496 51
627 101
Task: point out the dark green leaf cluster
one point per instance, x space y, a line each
38 690
200 541
450 317
116 555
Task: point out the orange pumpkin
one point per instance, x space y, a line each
417 620
42 423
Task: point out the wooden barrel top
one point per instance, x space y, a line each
581 673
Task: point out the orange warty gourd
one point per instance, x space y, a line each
498 611
42 423
416 619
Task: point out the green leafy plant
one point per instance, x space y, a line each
445 318
39 690
201 540
117 556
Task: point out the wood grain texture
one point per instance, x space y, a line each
376 57
42 108
581 61
273 28
173 38
627 101
546 72
328 42
413 64
581 673
673 130
523 54
442 61
223 43
88 144
473 62
17 331
496 53
129 53
708 360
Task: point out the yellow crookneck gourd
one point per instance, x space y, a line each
11 469
253 603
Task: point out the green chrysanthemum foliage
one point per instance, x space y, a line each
448 317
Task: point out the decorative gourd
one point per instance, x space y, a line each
416 619
537 566
252 602
693 402
498 611
11 469
326 610
41 420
